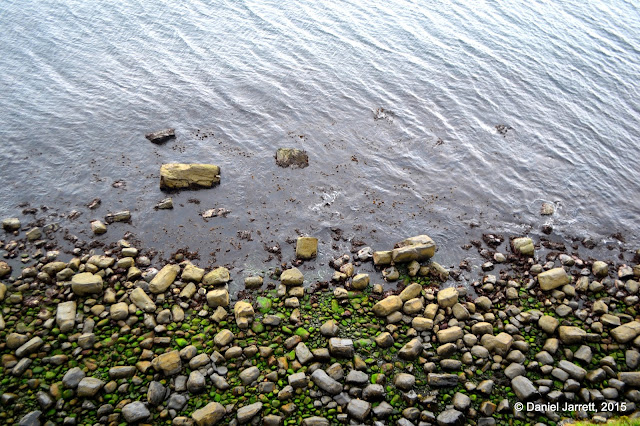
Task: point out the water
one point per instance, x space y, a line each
82 82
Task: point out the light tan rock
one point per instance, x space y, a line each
306 248
218 276
387 306
163 279
553 278
447 297
179 176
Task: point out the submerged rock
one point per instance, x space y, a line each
292 157
161 135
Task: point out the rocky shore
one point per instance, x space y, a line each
111 338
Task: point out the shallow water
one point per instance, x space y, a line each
397 105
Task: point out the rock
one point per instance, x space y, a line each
72 378
447 297
243 312
451 418
411 350
89 386
192 273
156 393
161 135
169 363
315 421
249 375
417 252
218 297
548 324
523 246
631 379
442 380
31 419
178 176
413 306
66 316
387 306
223 338
358 409
122 372
5 269
626 332
86 283
298 380
524 389
139 298
135 412
196 382
253 282
118 311
163 279
382 258
404 381
576 372
209 415
450 334
306 248
123 216
412 291
570 335
514 370
29 347
461 402
303 353
547 209
600 269
329 328
499 344
165 204
341 348
421 324
326 383
553 278
292 157
97 227
292 277
246 413
360 281
11 224
384 340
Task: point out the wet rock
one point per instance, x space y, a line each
135 412
156 393
524 388
86 283
523 246
165 204
163 279
570 335
306 248
253 282
218 297
360 281
419 248
98 228
72 378
89 386
553 278
246 413
11 224
209 415
382 258
292 157
161 135
5 269
179 176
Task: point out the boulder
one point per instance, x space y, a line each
179 176
86 283
553 278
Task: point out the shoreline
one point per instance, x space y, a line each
111 337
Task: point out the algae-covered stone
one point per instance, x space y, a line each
139 298
292 157
209 415
66 316
169 363
218 276
86 283
553 278
218 297
178 176
387 306
570 335
163 279
306 248
447 297
292 277
523 246
360 281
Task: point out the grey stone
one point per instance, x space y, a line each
359 409
135 412
326 383
246 413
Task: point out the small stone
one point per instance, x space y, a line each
358 409
548 324
553 278
209 415
387 306
218 297
360 281
98 228
292 277
447 297
135 412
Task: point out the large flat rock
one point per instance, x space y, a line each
181 176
